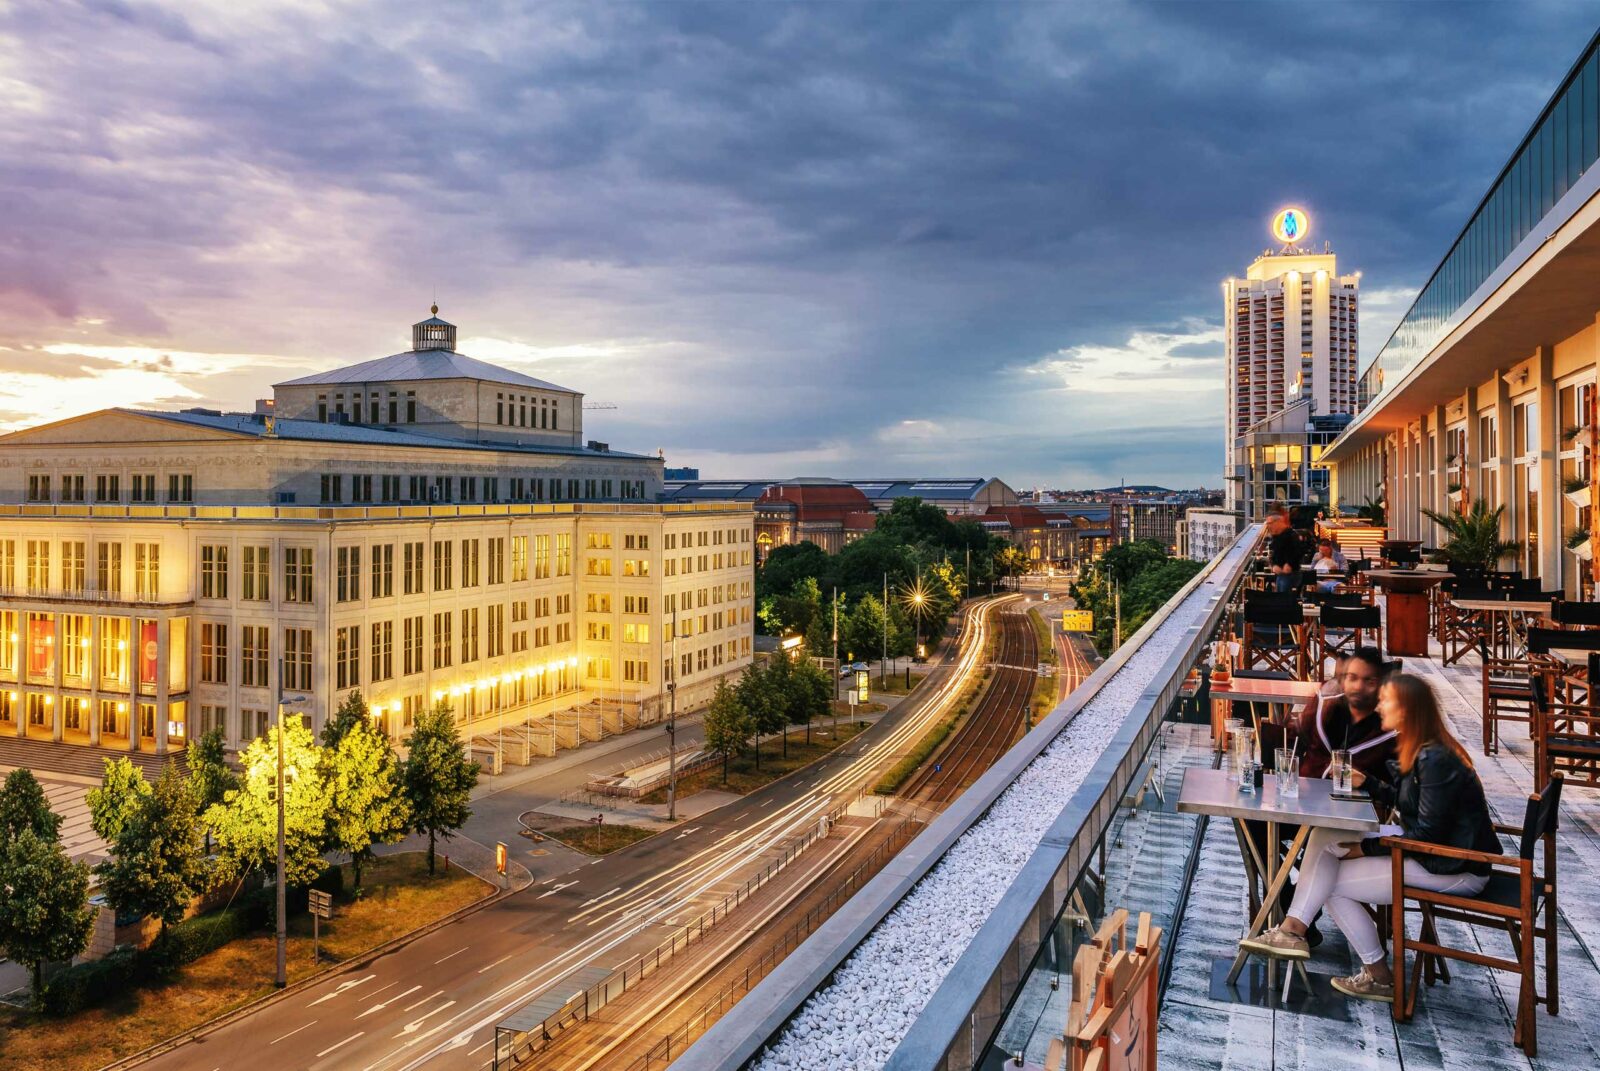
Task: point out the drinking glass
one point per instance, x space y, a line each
1288 774
1244 752
1341 771
1232 727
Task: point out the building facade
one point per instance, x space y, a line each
1206 532
1486 389
1280 459
166 573
1290 336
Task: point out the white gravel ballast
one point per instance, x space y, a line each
855 1022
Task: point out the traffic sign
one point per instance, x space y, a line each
321 904
1077 621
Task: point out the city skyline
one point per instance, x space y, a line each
974 205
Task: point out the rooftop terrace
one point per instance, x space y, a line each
960 954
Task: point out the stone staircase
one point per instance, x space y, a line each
42 756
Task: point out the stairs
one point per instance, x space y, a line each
78 760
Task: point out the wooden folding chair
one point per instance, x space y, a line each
1519 899
1275 636
1566 730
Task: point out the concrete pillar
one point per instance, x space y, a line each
132 672
1440 485
1552 545
1503 447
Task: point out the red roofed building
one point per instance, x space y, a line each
1044 539
827 514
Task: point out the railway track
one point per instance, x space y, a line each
995 722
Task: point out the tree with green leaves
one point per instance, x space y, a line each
45 915
764 709
210 778
23 806
115 803
156 867
779 673
437 777
727 725
365 803
351 714
810 691
245 823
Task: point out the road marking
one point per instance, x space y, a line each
293 1032
411 1027
424 1000
602 896
496 963
391 1000
452 955
685 833
340 991
341 1044
547 881
558 888
764 806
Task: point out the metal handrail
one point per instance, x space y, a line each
952 1015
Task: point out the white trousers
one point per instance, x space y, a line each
1341 886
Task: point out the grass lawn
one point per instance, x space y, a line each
398 898
744 778
895 683
594 839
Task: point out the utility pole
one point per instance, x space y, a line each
1116 598
835 707
299 704
883 662
282 978
672 723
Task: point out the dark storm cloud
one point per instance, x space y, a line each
831 223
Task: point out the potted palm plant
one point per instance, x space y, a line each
1473 536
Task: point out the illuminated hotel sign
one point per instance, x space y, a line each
1291 226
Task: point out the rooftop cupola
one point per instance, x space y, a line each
433 333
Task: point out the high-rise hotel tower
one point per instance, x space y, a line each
1291 360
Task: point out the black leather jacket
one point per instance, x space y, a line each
1440 801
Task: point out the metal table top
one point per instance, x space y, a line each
1257 690
1526 606
1207 791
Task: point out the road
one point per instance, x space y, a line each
435 1001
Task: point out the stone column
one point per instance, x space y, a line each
94 680
163 659
58 665
131 672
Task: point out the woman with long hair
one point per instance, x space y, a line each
1438 798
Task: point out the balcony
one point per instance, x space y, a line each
90 596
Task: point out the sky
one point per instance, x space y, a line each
895 239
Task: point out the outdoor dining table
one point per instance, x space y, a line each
1405 595
1269 690
1213 792
1506 640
